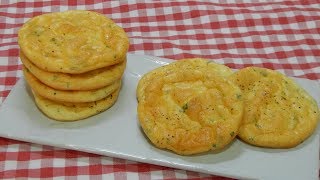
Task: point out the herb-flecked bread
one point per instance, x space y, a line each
189 110
278 113
74 111
68 96
91 80
73 41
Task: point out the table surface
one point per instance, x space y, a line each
281 35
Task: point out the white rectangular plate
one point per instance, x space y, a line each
116 133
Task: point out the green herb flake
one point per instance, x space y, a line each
55 77
36 33
264 74
232 134
185 107
257 125
214 145
208 62
239 96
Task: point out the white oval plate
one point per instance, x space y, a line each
116 133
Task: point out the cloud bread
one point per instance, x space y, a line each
278 113
73 42
68 96
74 111
190 110
86 81
191 63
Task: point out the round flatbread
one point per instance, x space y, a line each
187 64
73 42
94 79
74 111
68 96
190 111
278 113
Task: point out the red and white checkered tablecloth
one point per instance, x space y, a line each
281 34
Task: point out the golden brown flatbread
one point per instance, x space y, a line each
91 80
74 111
73 41
189 110
278 113
68 96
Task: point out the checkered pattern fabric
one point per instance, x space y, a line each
281 34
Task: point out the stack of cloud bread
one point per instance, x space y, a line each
73 62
